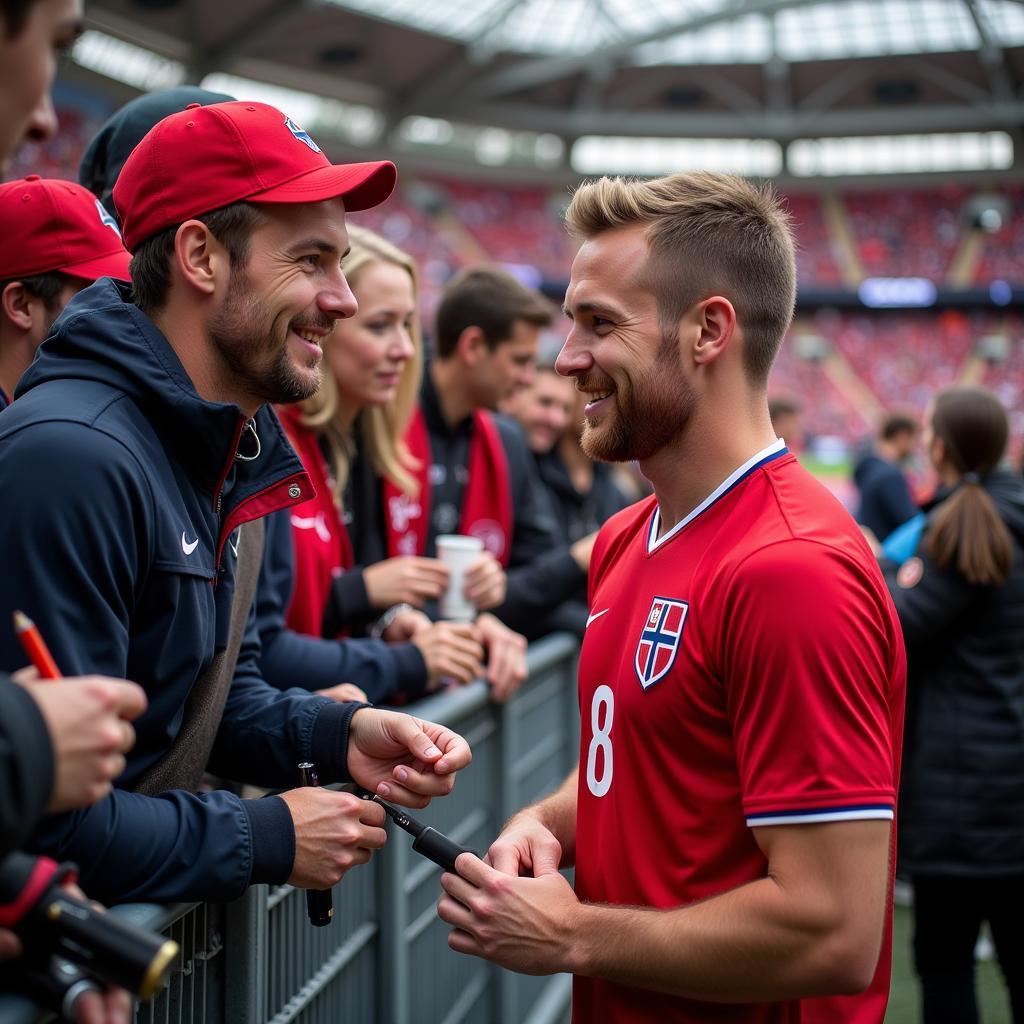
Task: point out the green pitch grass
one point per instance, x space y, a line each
821 469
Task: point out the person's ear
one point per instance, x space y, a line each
19 305
472 345
715 320
201 259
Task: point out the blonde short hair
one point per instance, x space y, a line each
709 234
381 428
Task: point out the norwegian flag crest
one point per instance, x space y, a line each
659 639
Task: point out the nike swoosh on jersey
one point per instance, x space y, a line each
187 547
596 615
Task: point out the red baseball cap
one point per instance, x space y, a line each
51 225
203 158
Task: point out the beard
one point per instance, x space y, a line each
651 409
254 350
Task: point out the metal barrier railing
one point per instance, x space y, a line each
385 957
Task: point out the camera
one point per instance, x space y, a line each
51 922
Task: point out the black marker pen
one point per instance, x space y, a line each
319 902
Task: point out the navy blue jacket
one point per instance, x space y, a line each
885 499
122 497
291 659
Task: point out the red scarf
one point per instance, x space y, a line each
320 540
486 501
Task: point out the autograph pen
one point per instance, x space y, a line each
319 902
433 845
35 647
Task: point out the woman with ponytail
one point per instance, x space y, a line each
961 603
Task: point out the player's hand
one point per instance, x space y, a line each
406 579
451 650
523 924
333 833
343 692
485 582
402 758
406 626
506 656
88 719
525 847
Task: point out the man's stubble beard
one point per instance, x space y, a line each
650 412
253 360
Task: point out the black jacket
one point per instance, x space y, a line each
541 572
962 790
26 765
577 515
122 497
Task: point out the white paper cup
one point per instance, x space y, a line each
458 552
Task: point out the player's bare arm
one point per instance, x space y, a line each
812 926
541 838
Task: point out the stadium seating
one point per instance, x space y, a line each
895 359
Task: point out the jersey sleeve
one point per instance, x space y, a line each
811 658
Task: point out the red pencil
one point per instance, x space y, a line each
35 647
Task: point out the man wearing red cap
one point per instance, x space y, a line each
139 443
58 239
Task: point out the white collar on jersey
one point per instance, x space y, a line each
773 450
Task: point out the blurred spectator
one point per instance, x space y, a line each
58 240
787 421
33 34
583 493
108 149
61 744
961 604
885 499
544 408
478 470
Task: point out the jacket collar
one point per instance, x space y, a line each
101 336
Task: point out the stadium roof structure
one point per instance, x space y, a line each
558 83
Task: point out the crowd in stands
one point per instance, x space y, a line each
900 358
906 233
816 258
1002 255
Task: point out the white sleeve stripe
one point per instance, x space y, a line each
832 814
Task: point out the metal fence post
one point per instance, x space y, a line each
393 907
246 967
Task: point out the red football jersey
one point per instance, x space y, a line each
745 669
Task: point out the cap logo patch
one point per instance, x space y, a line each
105 218
302 136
